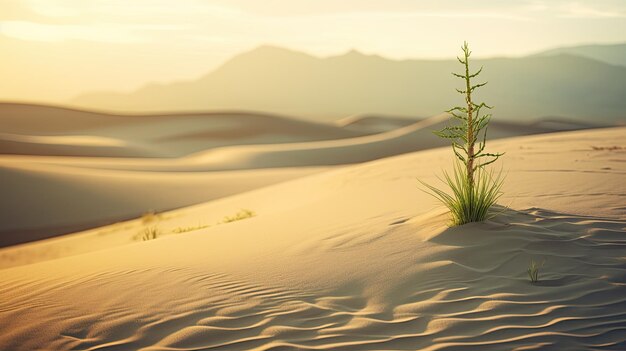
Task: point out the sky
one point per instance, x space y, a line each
54 50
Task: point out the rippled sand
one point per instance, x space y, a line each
356 258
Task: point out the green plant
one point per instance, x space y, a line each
150 233
533 271
474 190
243 214
469 203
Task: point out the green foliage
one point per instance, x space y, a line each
469 202
243 214
474 190
472 124
533 271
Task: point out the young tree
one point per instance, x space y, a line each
474 190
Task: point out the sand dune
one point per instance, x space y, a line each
355 258
48 200
414 137
47 120
375 123
57 131
54 189
114 168
47 130
73 145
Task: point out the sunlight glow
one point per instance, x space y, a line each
52 33
136 42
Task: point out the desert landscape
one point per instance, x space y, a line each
283 198
85 169
355 258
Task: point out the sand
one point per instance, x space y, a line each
58 131
354 258
45 200
68 170
65 170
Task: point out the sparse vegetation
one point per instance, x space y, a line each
469 202
150 233
243 214
180 230
607 148
533 271
474 190
153 232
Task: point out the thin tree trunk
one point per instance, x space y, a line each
470 132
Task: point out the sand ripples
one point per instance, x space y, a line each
471 293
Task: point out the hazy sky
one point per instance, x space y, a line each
53 50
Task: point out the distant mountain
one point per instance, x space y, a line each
277 80
614 54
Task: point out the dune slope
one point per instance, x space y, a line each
78 179
351 259
27 129
45 200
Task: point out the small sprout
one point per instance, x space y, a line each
533 271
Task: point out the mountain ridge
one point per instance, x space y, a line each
614 54
285 81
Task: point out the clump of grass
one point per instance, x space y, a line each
243 214
153 232
474 190
533 271
469 202
149 233
190 228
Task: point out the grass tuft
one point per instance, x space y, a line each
468 202
150 233
243 214
153 232
533 271
190 229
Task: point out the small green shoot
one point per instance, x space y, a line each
533 271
